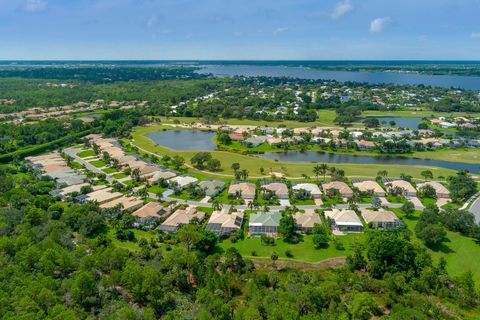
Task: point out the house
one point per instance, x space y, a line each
76 188
222 222
264 223
311 188
407 187
342 187
212 187
447 125
306 221
152 210
127 203
365 145
344 220
100 196
440 189
179 218
279 189
161 174
184 181
370 186
236 136
244 190
254 141
380 219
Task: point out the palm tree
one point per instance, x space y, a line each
216 205
323 170
317 170
244 174
332 171
382 173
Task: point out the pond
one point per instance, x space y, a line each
184 139
446 81
409 123
309 156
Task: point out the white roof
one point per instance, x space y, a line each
184 180
310 187
344 217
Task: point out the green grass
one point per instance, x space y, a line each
428 201
156 189
109 170
120 175
86 154
303 251
76 165
132 183
222 197
253 164
303 202
98 163
185 195
459 251
130 245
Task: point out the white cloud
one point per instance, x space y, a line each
34 5
342 8
379 24
280 30
475 35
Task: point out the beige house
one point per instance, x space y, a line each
380 219
245 190
278 188
153 210
407 187
440 189
306 221
344 220
342 187
179 218
127 203
370 186
222 222
102 196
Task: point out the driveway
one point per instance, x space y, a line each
475 209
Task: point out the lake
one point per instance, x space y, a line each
309 156
184 139
409 123
446 81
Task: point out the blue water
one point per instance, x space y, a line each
446 81
325 157
184 139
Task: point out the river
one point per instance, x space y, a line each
446 81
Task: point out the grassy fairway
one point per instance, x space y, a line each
253 164
468 155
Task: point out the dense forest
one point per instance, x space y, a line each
58 261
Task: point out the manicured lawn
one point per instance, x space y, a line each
303 251
98 163
120 175
253 164
185 195
86 154
100 182
156 189
109 170
132 183
222 197
303 202
428 201
468 155
76 165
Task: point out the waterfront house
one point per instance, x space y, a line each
370 186
406 186
222 222
279 189
440 190
311 188
307 220
244 190
344 220
342 187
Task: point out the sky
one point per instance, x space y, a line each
239 29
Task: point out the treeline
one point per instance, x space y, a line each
58 261
101 73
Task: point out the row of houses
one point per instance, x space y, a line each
340 220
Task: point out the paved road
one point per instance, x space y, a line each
475 209
73 153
